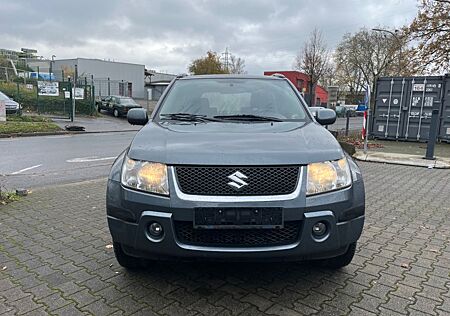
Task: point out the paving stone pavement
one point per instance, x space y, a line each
54 259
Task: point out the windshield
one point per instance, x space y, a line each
221 98
3 97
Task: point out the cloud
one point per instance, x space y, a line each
168 34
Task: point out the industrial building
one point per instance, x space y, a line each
301 82
24 53
157 82
110 77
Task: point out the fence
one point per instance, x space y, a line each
404 106
49 92
107 86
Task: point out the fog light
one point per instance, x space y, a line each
155 230
319 229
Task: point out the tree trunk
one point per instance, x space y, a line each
311 94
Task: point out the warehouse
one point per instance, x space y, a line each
157 82
110 77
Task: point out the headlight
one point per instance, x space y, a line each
145 176
328 176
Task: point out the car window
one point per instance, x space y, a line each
127 101
229 96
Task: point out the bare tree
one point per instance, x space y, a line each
431 29
365 56
348 77
236 65
313 60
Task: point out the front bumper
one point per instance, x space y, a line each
13 110
125 110
131 212
136 241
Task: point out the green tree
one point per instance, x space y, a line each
210 64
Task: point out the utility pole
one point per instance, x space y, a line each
75 78
51 67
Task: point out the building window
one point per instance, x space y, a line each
130 89
121 88
300 84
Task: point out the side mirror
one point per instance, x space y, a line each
326 116
137 117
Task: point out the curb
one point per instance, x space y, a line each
13 135
405 160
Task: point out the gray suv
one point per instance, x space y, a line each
234 168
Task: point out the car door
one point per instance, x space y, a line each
107 103
114 103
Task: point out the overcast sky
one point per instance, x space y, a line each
167 35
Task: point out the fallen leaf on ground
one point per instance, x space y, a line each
109 246
405 265
4 268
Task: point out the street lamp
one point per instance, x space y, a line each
394 34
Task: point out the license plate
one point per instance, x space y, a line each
216 218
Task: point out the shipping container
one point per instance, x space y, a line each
403 107
444 115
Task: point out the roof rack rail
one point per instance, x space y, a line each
279 75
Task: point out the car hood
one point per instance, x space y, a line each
217 143
11 103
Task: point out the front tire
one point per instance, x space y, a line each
126 261
342 260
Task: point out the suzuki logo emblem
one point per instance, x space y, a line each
237 181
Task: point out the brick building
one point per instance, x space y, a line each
301 82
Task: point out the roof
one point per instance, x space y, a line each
99 60
226 76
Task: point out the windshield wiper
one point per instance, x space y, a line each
248 117
188 117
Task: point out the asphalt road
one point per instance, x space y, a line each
31 162
355 124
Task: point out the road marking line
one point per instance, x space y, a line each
89 159
25 169
58 136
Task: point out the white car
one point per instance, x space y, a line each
12 107
315 109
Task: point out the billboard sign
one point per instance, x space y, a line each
47 88
78 93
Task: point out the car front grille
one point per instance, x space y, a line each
270 180
253 237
